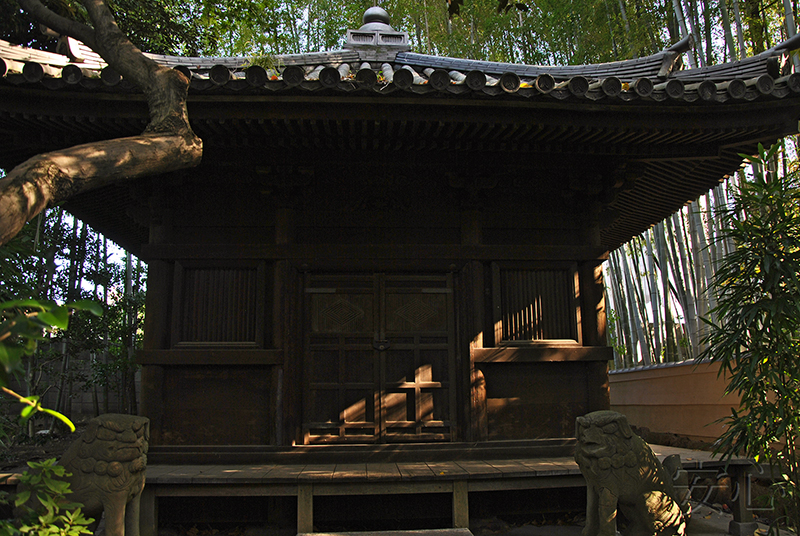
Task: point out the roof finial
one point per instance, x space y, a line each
376 35
376 14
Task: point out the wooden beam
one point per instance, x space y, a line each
516 354
311 254
210 356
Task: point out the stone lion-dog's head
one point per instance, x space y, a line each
605 441
114 446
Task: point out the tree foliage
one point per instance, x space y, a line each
529 31
756 339
59 259
45 509
23 324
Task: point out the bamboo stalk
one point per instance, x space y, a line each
689 306
655 302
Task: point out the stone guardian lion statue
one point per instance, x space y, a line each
623 475
107 466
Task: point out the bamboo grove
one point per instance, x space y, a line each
658 285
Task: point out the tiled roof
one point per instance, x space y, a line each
679 131
386 70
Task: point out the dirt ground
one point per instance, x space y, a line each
15 455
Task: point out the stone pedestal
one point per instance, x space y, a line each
742 529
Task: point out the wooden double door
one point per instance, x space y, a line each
379 358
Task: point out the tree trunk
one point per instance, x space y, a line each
624 327
49 257
707 33
690 310
167 144
703 259
659 232
624 14
633 312
711 232
694 26
641 303
755 25
72 271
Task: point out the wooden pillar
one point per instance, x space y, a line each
152 399
593 316
460 504
472 318
305 508
479 424
287 335
156 337
593 306
148 513
597 388
293 341
158 309
157 305
742 523
279 337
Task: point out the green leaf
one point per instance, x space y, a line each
27 412
57 317
10 356
86 305
59 487
59 416
37 304
22 498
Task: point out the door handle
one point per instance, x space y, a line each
381 345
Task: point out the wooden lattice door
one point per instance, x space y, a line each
379 359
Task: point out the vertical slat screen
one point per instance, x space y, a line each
538 305
219 305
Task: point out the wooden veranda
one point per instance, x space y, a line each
458 471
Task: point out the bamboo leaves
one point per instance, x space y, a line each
755 335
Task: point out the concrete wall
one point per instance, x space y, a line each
678 398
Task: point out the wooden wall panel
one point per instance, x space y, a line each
534 400
214 405
219 305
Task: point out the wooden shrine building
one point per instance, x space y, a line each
382 246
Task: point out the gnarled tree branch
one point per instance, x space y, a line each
50 178
58 23
167 144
